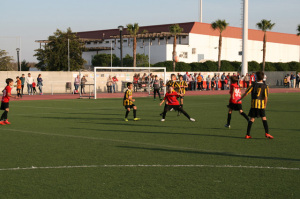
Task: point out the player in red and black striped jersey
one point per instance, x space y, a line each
259 97
234 105
5 101
172 103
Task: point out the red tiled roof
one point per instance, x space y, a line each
201 28
257 35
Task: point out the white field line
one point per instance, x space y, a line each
141 165
113 140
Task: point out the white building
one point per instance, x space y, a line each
200 43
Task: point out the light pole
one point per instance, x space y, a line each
121 44
19 66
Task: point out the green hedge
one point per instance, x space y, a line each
229 66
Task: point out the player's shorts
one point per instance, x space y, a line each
235 107
175 107
255 112
4 105
129 106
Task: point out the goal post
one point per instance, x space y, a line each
120 71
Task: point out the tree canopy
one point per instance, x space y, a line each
220 25
5 60
265 25
54 57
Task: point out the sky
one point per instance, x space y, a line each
32 20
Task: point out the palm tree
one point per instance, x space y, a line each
265 25
298 29
133 31
175 29
220 25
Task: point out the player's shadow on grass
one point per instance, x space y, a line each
288 111
208 153
91 113
160 132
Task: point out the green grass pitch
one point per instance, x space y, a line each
49 134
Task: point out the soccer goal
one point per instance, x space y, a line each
114 79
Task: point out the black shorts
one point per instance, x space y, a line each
175 107
4 105
235 107
255 112
129 106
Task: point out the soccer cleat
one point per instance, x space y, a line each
2 123
136 119
125 119
161 114
248 137
269 136
171 109
162 120
7 122
192 120
178 113
227 126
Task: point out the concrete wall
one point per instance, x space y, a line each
55 82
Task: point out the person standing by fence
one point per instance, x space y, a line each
77 83
29 81
246 80
22 83
109 84
40 84
115 80
199 81
83 81
223 77
292 80
297 80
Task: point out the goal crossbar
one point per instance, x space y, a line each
126 68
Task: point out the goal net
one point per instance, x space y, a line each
115 79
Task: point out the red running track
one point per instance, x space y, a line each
142 94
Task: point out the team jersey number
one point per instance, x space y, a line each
258 92
237 93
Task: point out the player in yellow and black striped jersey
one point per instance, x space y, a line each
128 102
259 98
173 83
182 86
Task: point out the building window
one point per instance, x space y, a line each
107 42
184 55
125 40
88 43
113 42
183 37
193 51
161 38
95 42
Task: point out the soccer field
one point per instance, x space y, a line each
84 149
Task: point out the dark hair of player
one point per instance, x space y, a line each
260 75
8 80
172 75
234 79
180 76
128 84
